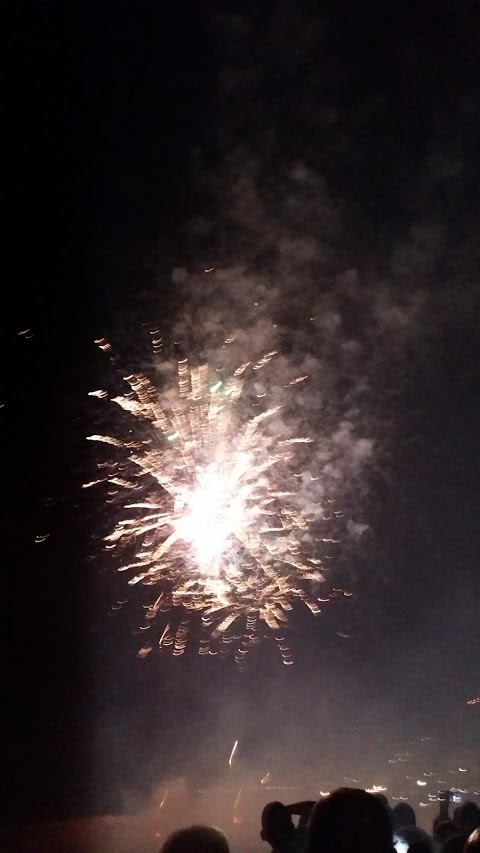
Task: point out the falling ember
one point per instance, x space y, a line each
234 749
237 818
265 779
475 701
218 518
164 799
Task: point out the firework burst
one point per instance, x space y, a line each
214 517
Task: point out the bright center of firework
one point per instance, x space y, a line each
215 513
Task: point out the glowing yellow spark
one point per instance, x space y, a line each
235 745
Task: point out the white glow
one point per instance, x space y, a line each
216 512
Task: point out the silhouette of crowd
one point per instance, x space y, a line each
348 820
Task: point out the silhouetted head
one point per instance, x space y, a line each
420 846
469 816
386 805
403 815
413 835
349 820
196 839
454 844
277 824
473 842
444 830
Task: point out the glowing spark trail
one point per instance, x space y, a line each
237 818
235 745
218 518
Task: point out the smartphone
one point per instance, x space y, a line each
450 797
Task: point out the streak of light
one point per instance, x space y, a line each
237 818
234 749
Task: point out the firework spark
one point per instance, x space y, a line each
214 518
234 749
237 817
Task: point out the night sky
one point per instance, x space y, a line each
144 137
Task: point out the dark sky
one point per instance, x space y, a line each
125 122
